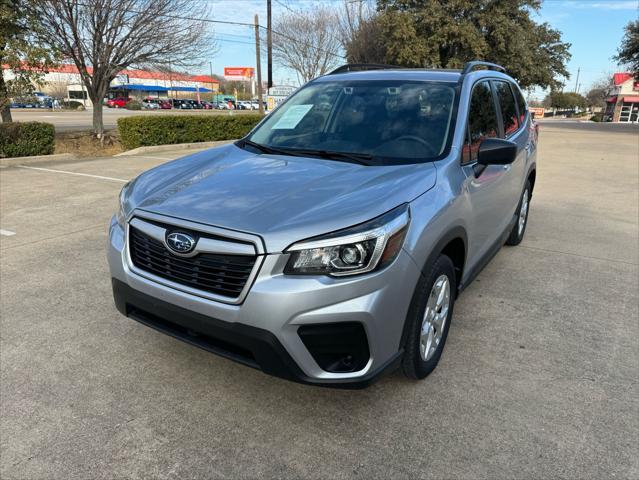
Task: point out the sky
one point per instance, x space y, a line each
593 27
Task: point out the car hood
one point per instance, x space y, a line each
283 199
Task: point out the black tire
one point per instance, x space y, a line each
517 234
413 365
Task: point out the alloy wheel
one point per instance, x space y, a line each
523 212
435 317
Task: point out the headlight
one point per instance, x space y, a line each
359 249
120 216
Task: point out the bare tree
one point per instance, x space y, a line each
104 37
360 33
57 86
598 91
308 42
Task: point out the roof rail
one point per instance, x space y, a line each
360 67
470 66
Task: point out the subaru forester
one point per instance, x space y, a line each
329 244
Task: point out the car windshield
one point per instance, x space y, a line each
385 122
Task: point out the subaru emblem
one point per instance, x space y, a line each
179 242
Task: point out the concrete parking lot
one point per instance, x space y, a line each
538 378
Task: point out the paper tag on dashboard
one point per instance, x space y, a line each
292 117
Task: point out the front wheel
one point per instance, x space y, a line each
517 233
429 319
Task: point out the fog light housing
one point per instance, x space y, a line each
337 347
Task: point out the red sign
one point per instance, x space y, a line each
538 112
241 73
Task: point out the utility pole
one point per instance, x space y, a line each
577 81
259 64
212 83
269 46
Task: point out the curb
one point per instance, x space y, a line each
172 147
59 157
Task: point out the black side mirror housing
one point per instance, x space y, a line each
495 151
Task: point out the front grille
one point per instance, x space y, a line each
224 275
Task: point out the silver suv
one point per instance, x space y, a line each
329 244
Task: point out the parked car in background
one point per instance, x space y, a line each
165 104
388 191
182 104
207 105
32 101
119 102
150 104
244 105
227 105
195 104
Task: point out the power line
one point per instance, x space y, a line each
282 4
176 17
287 37
225 22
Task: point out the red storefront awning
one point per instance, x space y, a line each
630 99
611 100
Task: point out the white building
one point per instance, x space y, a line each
623 103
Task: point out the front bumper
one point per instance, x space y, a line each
263 330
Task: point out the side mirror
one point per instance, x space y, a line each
494 151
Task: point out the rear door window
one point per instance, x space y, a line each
507 107
482 120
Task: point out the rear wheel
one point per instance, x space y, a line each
429 319
519 229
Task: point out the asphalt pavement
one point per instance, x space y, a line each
75 121
538 378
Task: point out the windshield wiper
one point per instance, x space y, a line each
361 158
266 148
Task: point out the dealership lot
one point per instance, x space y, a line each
538 377
73 120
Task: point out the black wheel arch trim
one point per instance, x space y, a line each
531 170
452 234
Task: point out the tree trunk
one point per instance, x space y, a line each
5 112
98 124
5 103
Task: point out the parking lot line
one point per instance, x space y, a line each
152 157
73 173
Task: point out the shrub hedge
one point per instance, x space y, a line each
168 129
73 105
133 105
23 139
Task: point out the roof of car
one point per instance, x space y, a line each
372 71
440 75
